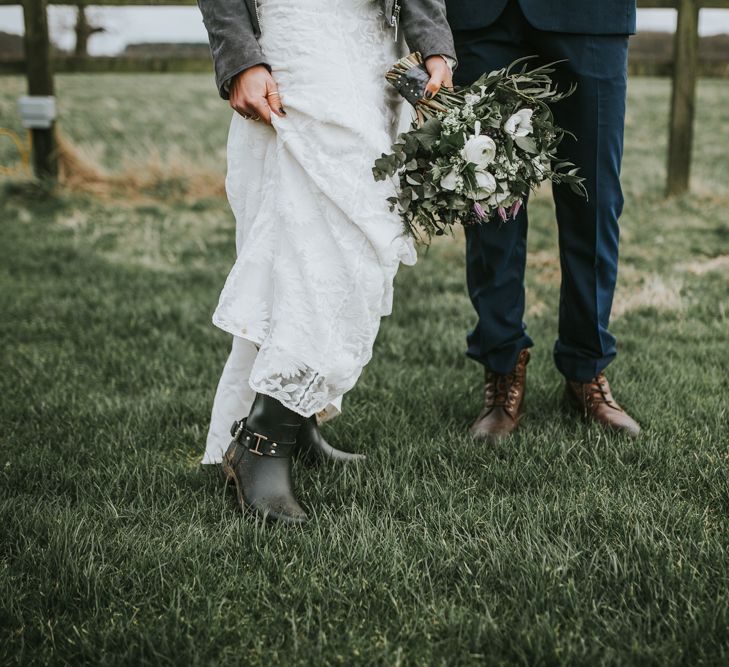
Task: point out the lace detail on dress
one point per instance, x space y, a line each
318 248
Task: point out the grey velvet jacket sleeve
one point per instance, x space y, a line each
232 33
426 28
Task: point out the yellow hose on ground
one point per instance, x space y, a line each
24 165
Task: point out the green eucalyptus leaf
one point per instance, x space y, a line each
452 143
527 144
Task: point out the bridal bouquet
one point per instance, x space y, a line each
474 152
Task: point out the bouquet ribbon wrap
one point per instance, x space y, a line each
411 84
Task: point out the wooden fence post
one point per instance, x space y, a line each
40 82
685 63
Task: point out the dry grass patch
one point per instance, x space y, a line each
141 178
703 266
545 263
654 291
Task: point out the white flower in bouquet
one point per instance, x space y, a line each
479 150
520 124
447 172
450 180
485 185
502 198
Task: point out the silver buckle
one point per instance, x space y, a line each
257 449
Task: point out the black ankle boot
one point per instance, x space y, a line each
258 460
312 445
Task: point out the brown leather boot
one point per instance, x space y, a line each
503 403
596 403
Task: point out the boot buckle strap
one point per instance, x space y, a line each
257 449
259 444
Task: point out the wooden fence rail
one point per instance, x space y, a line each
39 70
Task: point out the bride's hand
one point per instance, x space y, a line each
254 94
440 75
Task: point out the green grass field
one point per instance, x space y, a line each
563 546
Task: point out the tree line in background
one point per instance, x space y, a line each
11 45
646 48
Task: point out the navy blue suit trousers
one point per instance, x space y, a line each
587 227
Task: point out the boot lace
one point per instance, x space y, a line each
502 391
598 391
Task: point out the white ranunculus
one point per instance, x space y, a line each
485 185
520 124
448 182
471 98
479 150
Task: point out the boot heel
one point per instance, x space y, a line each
231 479
223 475
227 476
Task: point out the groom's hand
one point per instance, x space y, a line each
254 94
440 75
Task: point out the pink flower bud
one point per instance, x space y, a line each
515 208
478 210
502 213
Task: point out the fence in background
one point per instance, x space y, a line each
39 67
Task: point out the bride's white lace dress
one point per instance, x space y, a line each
317 246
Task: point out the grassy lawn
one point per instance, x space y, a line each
564 546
